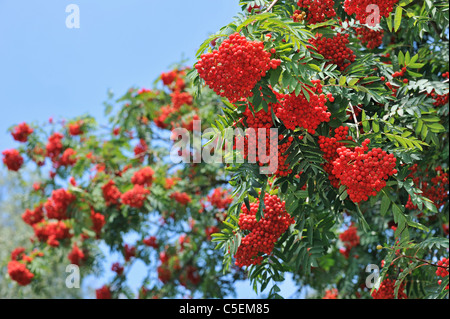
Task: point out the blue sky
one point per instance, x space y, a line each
48 70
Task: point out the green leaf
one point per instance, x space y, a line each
398 18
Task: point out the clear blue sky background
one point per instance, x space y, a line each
48 70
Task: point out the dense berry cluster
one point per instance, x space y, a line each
19 272
331 294
98 221
364 174
264 233
181 197
233 70
54 146
334 49
297 112
370 38
220 198
350 238
442 270
12 159
387 289
111 193
433 186
56 206
68 158
21 132
51 232
135 197
316 11
76 128
140 150
329 146
143 177
34 216
103 293
151 242
76 255
129 252
361 8
117 268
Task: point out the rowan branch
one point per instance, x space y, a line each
271 6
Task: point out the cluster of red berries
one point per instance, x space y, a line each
190 275
181 197
111 193
370 38
387 290
117 268
174 79
54 146
181 98
68 158
297 112
140 150
143 177
129 252
233 70
442 270
364 174
12 159
329 146
220 198
263 233
151 242
21 132
316 11
350 238
331 294
361 8
334 49
19 272
76 128
434 188
103 293
98 221
34 216
76 255
51 232
56 206
440 100
135 197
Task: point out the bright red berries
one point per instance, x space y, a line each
297 112
34 216
68 158
370 38
263 234
316 11
181 198
331 294
364 174
117 268
76 255
143 177
54 146
335 49
98 221
350 238
111 193
135 197
19 272
56 206
51 232
21 132
387 290
151 242
442 270
361 8
220 199
129 252
12 159
233 70
103 293
76 128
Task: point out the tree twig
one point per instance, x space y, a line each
271 6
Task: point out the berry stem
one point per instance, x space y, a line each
271 6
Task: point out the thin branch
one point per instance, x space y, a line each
271 6
355 119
